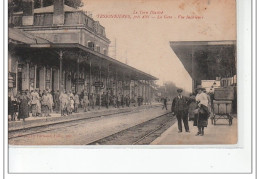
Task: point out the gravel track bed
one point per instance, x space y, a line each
82 132
141 134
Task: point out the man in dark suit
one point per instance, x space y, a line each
180 108
164 103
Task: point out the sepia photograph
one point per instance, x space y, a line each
110 72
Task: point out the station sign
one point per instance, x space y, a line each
98 84
79 81
11 80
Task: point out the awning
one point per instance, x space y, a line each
48 51
205 60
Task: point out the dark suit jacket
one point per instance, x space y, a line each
180 104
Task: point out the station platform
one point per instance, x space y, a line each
221 133
57 118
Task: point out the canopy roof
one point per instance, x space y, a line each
207 54
29 43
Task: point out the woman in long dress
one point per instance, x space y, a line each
34 103
85 102
23 106
45 104
63 102
202 114
76 99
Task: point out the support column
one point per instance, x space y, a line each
64 81
35 75
16 81
60 71
143 90
116 83
108 80
123 82
149 89
77 84
131 89
60 75
99 87
28 75
90 77
138 88
150 92
51 87
44 78
134 90
146 96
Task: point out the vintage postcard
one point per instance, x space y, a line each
110 72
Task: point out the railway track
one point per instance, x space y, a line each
13 134
140 134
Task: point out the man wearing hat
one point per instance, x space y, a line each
180 108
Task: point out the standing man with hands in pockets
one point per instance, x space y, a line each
180 109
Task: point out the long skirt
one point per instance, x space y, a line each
39 109
23 110
63 106
34 109
201 120
45 110
57 105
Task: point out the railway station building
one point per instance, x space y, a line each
61 48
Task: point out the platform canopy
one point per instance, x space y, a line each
206 60
30 46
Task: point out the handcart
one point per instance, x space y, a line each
222 110
222 104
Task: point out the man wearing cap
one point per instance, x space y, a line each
180 108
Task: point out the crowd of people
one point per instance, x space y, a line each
197 108
43 103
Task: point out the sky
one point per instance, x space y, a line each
144 42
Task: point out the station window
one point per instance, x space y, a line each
105 51
91 45
98 48
86 21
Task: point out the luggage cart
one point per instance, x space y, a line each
222 104
222 110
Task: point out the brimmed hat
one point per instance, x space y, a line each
179 90
199 87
